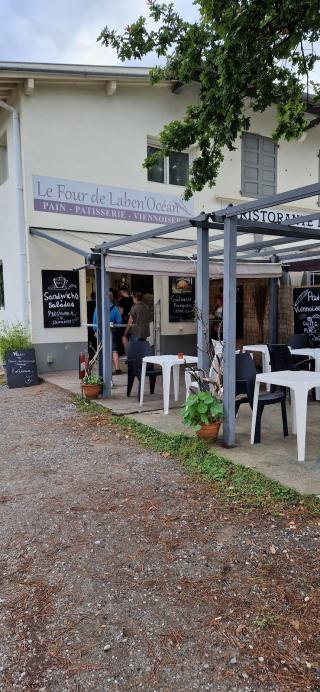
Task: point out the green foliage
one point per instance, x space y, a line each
92 378
242 53
234 484
13 337
201 408
266 620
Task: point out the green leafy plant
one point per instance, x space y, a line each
92 378
13 337
201 409
267 620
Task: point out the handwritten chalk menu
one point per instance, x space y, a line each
306 306
181 298
61 298
21 368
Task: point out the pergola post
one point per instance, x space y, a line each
99 312
273 308
229 330
203 296
105 328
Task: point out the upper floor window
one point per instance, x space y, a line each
170 170
258 166
3 158
1 286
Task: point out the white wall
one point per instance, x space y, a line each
9 248
297 165
79 133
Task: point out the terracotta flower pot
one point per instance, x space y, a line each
209 431
91 391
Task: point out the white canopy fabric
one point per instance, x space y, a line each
157 266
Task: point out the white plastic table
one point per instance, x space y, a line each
311 353
167 363
299 382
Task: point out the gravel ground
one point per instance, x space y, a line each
120 572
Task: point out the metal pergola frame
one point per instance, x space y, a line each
226 220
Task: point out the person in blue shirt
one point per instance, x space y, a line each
115 318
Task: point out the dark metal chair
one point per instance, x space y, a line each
298 341
137 350
245 383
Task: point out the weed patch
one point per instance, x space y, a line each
236 484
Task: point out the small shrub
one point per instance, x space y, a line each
13 337
93 378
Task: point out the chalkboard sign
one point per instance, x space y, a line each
306 306
181 298
21 368
61 298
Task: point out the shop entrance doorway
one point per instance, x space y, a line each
134 283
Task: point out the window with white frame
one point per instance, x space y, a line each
1 286
169 170
4 172
258 165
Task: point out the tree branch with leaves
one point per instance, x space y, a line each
241 53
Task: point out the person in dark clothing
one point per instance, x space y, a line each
124 306
138 328
115 319
125 303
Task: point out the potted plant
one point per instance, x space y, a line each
92 382
203 409
204 412
92 385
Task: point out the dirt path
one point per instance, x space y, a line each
119 572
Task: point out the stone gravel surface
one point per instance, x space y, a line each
120 572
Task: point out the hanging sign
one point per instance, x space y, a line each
306 306
61 298
181 298
21 368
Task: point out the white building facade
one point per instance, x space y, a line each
71 150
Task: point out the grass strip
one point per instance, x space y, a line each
236 484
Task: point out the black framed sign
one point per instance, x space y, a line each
60 298
181 298
21 368
306 307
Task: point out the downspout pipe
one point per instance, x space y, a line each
24 315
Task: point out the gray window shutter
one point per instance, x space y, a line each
259 166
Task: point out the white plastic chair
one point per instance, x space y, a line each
218 347
189 382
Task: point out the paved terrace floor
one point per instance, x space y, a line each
276 456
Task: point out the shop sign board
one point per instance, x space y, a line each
278 214
181 298
60 196
306 306
60 298
21 368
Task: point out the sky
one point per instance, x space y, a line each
65 31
